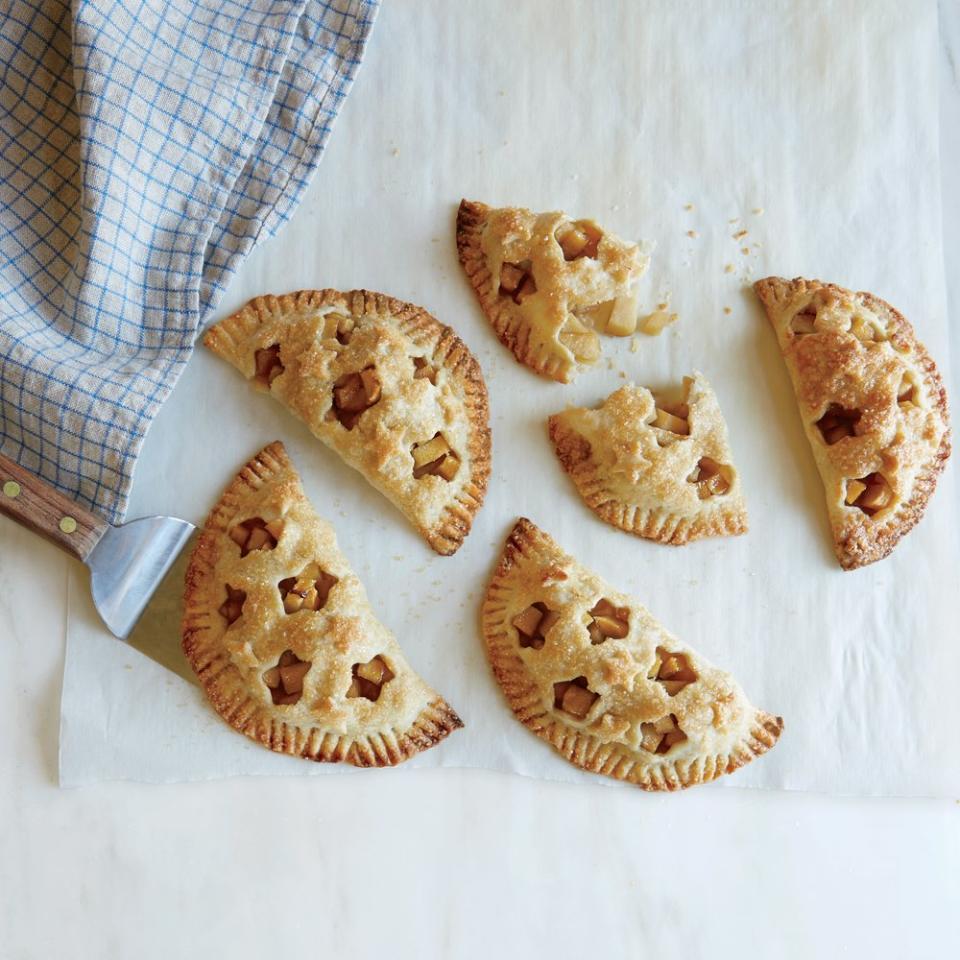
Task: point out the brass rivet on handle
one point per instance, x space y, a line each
68 524
11 489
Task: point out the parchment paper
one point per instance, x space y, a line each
671 122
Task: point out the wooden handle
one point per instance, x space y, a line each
37 506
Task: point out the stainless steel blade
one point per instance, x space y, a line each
157 632
127 565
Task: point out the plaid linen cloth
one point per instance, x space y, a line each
145 147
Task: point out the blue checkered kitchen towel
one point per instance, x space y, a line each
145 147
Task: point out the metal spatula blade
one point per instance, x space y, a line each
127 565
127 562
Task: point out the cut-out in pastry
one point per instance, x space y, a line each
393 391
654 465
281 635
873 407
547 283
590 671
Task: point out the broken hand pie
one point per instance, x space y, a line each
873 407
280 632
394 392
590 671
546 283
653 466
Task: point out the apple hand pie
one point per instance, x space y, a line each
654 466
547 283
873 406
281 635
590 671
394 392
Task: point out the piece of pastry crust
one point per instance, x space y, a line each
309 682
310 350
649 710
873 407
659 469
546 283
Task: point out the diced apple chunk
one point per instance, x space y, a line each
667 421
271 677
578 700
854 489
876 496
292 677
528 621
424 453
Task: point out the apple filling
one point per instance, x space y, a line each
661 735
285 680
837 423
354 393
268 365
712 479
256 534
871 493
609 622
803 320
424 370
308 590
671 416
232 607
434 457
532 625
907 391
369 678
336 325
574 697
516 281
580 340
616 318
866 330
673 670
579 239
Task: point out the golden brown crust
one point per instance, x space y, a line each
543 330
230 659
723 731
635 476
860 351
388 334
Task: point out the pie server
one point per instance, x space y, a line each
126 563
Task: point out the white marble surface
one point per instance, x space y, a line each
447 863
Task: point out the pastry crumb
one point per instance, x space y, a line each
745 250
758 211
688 206
734 220
727 311
395 152
728 268
740 234
692 234
634 345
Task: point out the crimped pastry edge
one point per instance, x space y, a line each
573 452
872 543
226 690
226 339
583 749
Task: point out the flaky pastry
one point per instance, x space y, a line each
873 407
392 390
590 671
657 467
547 283
281 635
